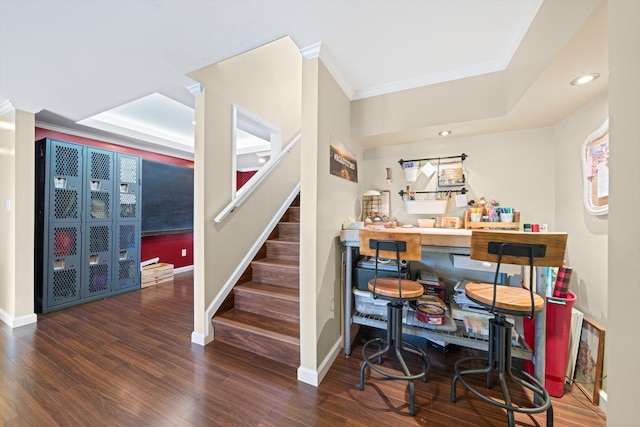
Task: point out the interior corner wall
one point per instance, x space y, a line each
621 341
336 203
587 249
25 214
17 171
7 216
309 216
511 167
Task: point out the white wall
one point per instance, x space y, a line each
623 346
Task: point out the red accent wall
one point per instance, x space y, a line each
167 247
242 178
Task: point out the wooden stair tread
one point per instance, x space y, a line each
282 292
286 240
277 262
262 325
263 313
507 297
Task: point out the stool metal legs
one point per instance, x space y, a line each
394 342
499 358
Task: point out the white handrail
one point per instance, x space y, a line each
260 176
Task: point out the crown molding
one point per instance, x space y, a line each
8 105
196 89
431 79
311 51
125 142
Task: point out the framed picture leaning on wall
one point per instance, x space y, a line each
588 374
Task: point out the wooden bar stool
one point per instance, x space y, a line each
396 246
532 249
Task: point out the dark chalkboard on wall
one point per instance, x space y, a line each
167 198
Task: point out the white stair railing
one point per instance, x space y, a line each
260 176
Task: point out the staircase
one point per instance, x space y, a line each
262 315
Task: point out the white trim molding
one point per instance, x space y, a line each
183 269
311 51
16 322
314 378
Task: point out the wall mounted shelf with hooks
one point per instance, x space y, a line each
450 174
450 169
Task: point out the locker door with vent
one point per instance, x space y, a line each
128 187
63 265
99 185
98 260
127 256
63 200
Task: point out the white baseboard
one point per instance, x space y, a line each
201 339
16 322
314 378
182 269
603 400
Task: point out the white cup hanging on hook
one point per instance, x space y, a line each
410 170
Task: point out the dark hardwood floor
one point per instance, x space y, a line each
128 361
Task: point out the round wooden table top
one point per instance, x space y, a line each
507 297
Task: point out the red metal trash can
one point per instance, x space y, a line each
557 343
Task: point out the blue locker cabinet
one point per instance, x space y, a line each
98 185
87 224
129 173
127 256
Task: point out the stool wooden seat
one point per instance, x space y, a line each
527 249
388 287
397 290
508 298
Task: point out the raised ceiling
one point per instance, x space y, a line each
108 67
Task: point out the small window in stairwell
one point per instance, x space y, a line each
256 143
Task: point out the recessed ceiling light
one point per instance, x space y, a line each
444 133
588 78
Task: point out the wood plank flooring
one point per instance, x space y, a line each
129 361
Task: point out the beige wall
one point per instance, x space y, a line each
8 218
622 344
327 201
266 81
512 168
587 244
17 217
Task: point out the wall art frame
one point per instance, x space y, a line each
588 375
595 171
